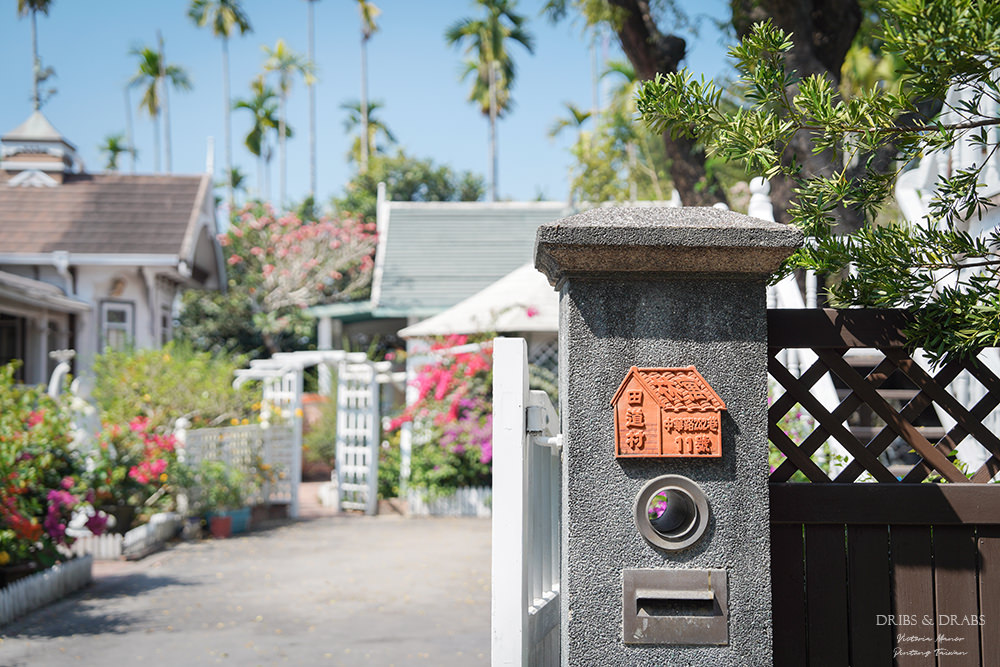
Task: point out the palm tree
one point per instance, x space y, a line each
154 73
311 26
576 118
225 17
32 7
114 145
286 64
488 61
369 12
263 105
375 127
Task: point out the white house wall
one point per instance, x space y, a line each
96 285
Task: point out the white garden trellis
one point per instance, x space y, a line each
358 416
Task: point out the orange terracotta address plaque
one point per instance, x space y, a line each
667 412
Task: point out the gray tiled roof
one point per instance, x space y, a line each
437 254
100 213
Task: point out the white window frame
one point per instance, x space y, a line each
128 326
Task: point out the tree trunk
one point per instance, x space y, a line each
226 118
281 153
312 103
36 65
128 127
822 32
166 106
493 132
156 141
652 52
364 103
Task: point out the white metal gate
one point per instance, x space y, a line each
527 474
358 431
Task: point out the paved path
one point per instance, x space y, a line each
333 590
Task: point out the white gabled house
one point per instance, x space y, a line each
93 260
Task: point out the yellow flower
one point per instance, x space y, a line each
4 557
246 421
298 412
147 398
166 357
256 406
234 421
163 476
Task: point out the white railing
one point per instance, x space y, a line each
527 473
43 587
252 449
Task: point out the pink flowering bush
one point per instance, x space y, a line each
452 420
280 264
128 471
40 475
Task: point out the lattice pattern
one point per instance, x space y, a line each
872 387
357 436
242 447
545 354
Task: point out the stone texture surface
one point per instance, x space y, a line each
610 321
668 240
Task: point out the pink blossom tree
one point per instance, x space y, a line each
279 264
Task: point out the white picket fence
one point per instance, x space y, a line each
527 474
466 501
43 587
139 540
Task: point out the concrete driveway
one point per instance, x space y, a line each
342 590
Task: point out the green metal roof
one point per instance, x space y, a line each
437 254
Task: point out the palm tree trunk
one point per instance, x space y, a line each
364 103
36 67
312 104
166 106
493 131
226 118
128 127
156 141
281 153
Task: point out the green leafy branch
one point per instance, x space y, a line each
936 268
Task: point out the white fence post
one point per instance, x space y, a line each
526 513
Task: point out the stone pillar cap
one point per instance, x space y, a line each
662 240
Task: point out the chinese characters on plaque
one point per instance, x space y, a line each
667 412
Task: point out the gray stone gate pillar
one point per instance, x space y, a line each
664 289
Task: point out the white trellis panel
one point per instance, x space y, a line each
527 475
284 394
358 431
239 447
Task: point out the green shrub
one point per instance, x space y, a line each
319 444
164 385
389 459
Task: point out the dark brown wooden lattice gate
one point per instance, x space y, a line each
905 569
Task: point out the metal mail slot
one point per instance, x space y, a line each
675 607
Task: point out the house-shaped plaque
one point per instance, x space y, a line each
667 412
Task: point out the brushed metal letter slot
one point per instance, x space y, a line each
675 607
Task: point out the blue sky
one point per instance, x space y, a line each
410 69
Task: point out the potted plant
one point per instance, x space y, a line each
222 494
